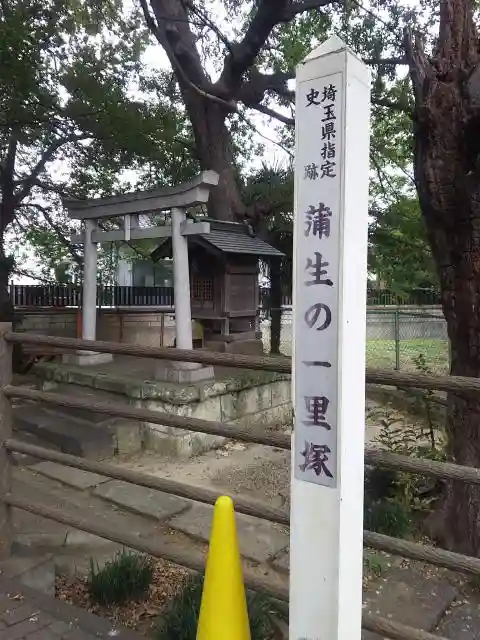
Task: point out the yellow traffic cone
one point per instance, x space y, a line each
223 612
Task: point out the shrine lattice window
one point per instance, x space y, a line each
202 289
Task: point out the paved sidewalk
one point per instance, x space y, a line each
26 614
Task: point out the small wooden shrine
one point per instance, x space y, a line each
224 288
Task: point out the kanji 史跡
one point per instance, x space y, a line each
311 171
312 98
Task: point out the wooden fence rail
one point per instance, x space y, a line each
279 440
280 364
195 560
259 363
242 505
412 550
373 456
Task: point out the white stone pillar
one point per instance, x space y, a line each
182 372
329 309
89 305
181 282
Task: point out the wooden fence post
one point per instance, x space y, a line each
5 433
397 339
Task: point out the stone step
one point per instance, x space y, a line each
145 502
23 459
462 621
26 613
34 571
67 432
259 540
407 596
91 395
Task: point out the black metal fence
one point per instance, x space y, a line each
70 295
416 297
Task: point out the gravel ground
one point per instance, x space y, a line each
266 478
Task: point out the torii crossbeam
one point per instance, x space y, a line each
129 206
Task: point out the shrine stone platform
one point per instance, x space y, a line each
247 398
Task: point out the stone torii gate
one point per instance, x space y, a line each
129 206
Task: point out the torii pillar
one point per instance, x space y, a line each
176 199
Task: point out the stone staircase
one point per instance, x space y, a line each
77 431
36 572
409 593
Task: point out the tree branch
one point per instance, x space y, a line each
295 8
262 135
273 114
29 274
268 15
58 231
389 104
164 35
61 190
210 24
386 62
46 157
253 89
418 64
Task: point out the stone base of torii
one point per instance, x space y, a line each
129 206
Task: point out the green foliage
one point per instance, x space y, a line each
69 125
393 498
390 517
436 448
179 622
127 577
374 563
399 252
69 69
385 511
402 439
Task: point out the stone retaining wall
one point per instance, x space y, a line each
248 400
145 328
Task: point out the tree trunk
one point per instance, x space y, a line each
275 301
6 266
214 150
207 113
447 148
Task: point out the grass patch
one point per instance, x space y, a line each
390 517
381 354
127 577
374 564
180 621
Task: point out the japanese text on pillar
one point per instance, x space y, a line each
317 426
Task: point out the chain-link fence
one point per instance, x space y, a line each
407 340
411 340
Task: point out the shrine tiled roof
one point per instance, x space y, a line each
239 243
227 237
